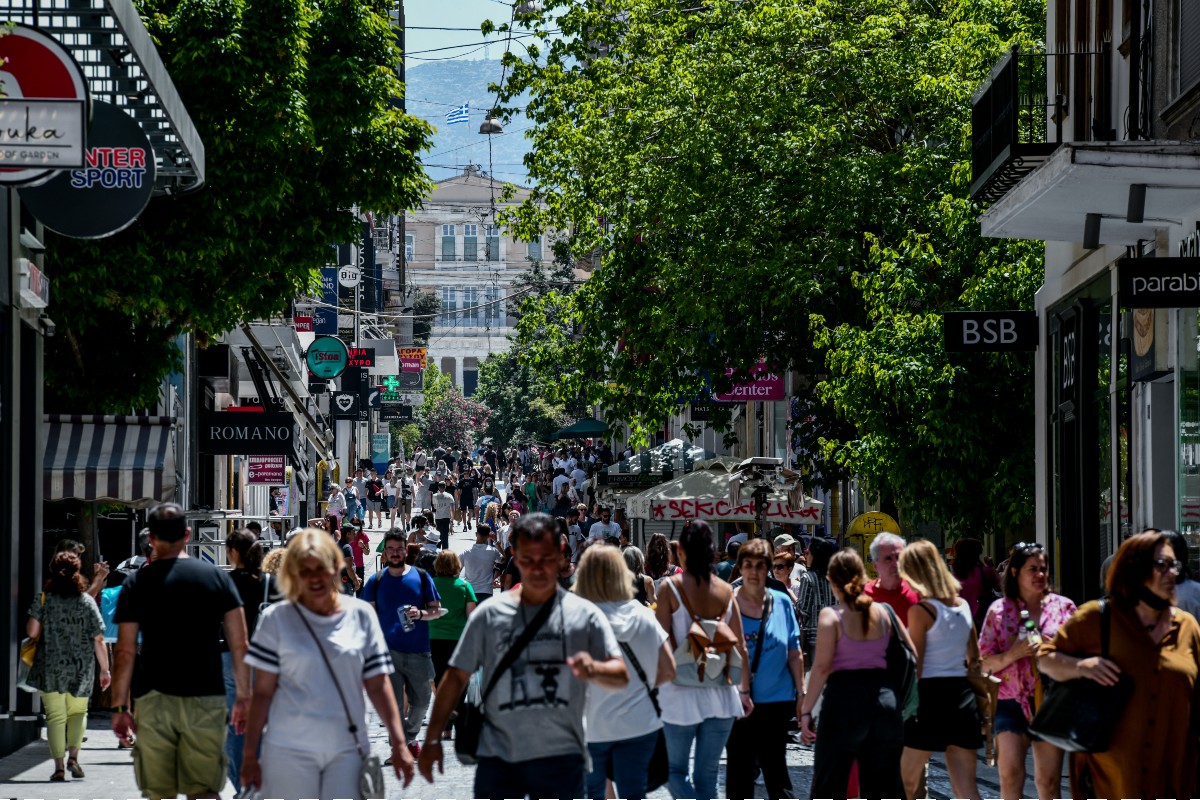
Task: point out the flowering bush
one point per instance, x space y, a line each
451 419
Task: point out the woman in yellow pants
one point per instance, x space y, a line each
70 632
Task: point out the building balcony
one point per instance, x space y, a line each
1100 193
1009 125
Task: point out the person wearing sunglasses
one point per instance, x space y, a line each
1153 749
1010 656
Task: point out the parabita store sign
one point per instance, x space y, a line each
224 433
1159 282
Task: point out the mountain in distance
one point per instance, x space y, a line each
433 89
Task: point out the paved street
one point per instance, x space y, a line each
25 773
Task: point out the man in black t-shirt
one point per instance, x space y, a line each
375 499
178 605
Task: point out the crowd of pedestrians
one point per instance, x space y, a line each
598 670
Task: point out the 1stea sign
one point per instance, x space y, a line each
110 192
327 357
39 139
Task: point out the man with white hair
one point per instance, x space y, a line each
889 587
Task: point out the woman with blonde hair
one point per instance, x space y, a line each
623 725
860 718
314 654
942 630
491 518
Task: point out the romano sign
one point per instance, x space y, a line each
1159 282
258 434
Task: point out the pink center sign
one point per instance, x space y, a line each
766 386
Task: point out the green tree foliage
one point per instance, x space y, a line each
426 307
784 181
451 419
409 434
293 101
521 405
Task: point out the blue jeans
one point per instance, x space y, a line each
628 761
233 741
710 736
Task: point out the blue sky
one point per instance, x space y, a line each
466 44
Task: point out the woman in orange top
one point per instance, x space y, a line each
1154 745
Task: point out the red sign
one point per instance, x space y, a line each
266 469
691 508
303 324
410 365
360 357
765 386
37 66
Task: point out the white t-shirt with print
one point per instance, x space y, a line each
305 712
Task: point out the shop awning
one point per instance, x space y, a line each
96 458
704 493
583 429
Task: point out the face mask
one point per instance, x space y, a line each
1153 600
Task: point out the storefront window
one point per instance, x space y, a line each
1188 383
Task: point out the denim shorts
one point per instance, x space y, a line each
1010 718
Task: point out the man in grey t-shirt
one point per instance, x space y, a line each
535 711
479 565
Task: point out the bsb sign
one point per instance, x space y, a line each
1159 282
990 331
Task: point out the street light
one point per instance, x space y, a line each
491 126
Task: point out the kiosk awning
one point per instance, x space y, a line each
96 458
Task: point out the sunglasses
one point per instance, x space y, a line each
1028 548
779 566
1164 565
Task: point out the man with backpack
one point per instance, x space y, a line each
539 648
405 599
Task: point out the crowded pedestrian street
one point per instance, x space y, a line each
600 399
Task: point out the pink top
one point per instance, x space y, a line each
1001 629
860 653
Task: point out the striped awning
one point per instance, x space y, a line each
96 458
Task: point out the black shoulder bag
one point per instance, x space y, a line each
370 776
471 717
1079 715
657 775
902 667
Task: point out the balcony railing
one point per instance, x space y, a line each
1009 124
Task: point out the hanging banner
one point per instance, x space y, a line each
266 469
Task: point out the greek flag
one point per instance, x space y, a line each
460 114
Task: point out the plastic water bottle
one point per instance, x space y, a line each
1032 634
407 622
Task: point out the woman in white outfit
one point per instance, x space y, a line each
943 634
317 737
623 725
700 714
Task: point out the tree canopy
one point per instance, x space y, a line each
293 100
784 182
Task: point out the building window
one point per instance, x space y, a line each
409 247
470 306
470 375
449 305
492 239
447 242
491 310
470 242
533 250
1189 45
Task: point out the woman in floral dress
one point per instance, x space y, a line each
1008 654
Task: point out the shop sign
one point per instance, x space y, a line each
412 359
990 331
396 414
327 357
361 357
692 508
37 67
402 398
266 469
35 286
344 405
267 433
42 133
702 412
1159 282
763 386
112 189
381 444
632 480
303 324
325 317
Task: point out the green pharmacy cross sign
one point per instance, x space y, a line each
390 389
